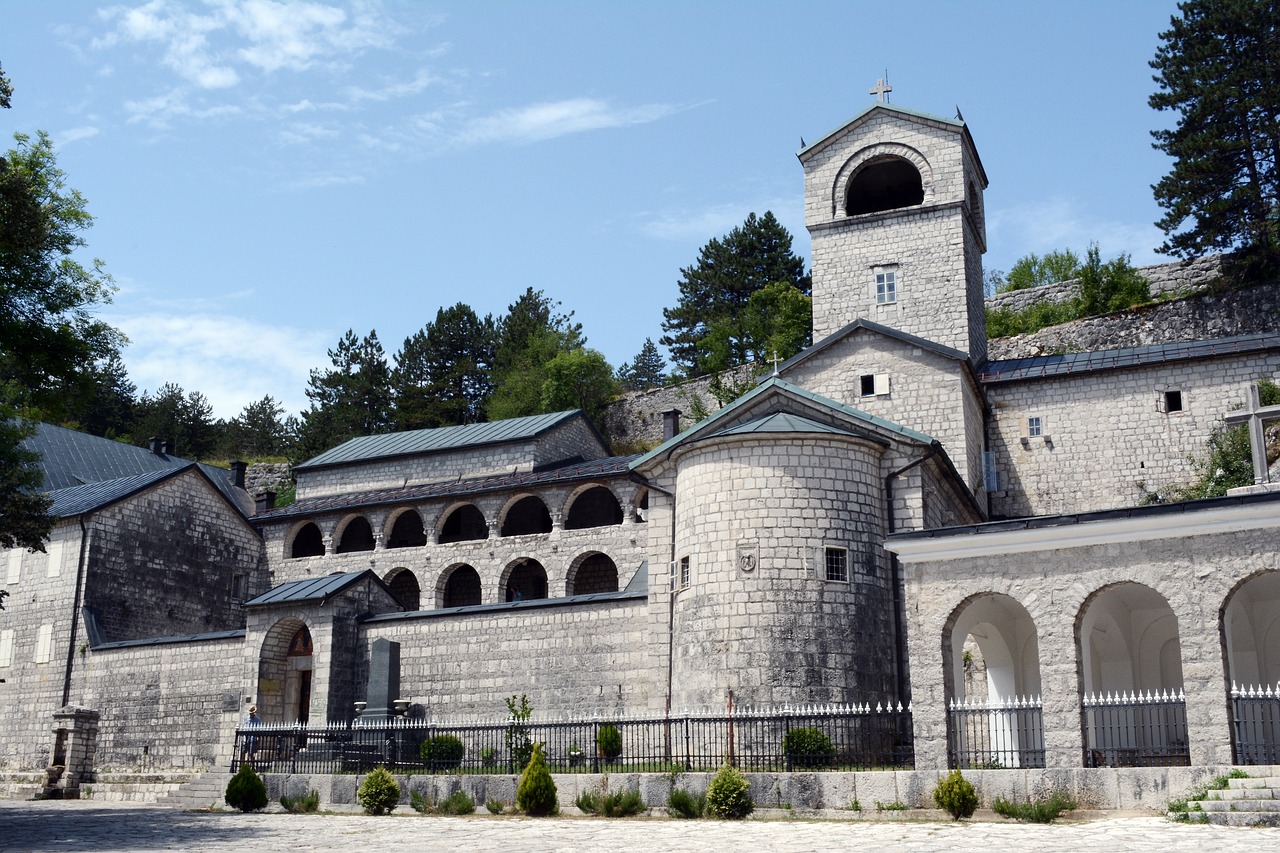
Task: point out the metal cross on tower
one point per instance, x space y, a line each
881 88
1253 415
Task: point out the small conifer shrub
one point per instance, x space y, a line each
378 792
536 795
609 742
442 752
729 795
246 790
955 795
685 804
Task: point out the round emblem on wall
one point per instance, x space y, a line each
748 556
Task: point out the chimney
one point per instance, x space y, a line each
164 448
263 501
670 423
237 472
154 444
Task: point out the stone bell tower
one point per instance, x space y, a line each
893 202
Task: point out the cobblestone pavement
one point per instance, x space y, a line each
90 826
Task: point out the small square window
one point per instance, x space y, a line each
1034 427
837 564
886 287
1172 401
873 384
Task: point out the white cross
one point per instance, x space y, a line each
1254 414
775 362
880 89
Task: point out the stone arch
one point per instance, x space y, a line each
991 653
462 522
592 506
1250 625
874 163
525 515
285 666
405 530
404 587
307 541
592 572
355 535
524 579
459 586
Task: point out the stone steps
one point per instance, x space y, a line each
1246 802
199 792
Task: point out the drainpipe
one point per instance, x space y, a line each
75 613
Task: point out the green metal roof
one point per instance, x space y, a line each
783 422
311 589
436 440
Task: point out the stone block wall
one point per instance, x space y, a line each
634 420
1164 280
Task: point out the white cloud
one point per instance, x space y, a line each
420 81
158 111
716 220
75 134
1060 223
233 361
557 118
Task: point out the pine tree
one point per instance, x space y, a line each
184 420
1216 68
352 398
647 370
531 334
715 293
442 374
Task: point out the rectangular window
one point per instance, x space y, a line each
837 564
886 287
54 553
684 572
237 587
6 647
1035 427
44 644
873 384
15 566
1172 401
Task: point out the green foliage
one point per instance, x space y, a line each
685 804
352 398
714 325
1003 322
286 495
777 321
955 795
1181 809
246 790
184 420
647 370
529 337
519 744
488 756
1040 811
729 795
260 430
894 806
379 792
442 752
536 795
306 804
578 379
1035 270
611 803
609 742
443 372
495 806
457 803
1228 459
808 747
6 90
24 509
1215 69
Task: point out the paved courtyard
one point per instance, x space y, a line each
90 826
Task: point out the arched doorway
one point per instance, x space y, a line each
993 660
285 668
1251 637
526 580
460 586
593 572
464 524
404 588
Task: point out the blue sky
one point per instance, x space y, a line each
265 175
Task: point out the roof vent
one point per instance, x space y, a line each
154 444
670 423
237 472
263 501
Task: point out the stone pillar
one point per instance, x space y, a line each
628 514
75 732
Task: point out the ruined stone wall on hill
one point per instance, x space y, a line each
634 421
1165 281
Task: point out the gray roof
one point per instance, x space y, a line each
69 458
78 500
1064 364
311 589
627 594
889 332
440 439
782 422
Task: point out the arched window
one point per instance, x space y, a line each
528 515
404 588
461 587
885 184
595 573
1251 636
356 536
596 507
307 542
463 525
526 580
407 531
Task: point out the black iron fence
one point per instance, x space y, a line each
1255 712
995 734
849 737
1136 730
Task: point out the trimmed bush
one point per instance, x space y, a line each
536 795
442 752
306 804
728 795
611 803
808 747
378 792
246 790
955 795
609 742
686 805
1041 811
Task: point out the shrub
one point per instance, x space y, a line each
955 795
246 790
306 804
728 795
459 802
807 747
378 792
489 756
609 742
686 805
442 752
536 795
611 803
1041 811
495 807
519 743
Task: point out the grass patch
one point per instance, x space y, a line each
611 803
